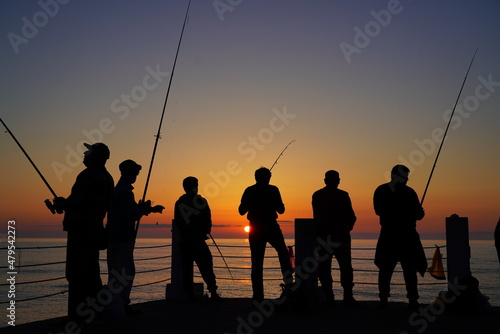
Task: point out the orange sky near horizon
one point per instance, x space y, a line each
34 220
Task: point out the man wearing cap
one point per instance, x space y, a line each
84 212
398 207
334 219
123 213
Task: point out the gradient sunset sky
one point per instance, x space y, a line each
359 85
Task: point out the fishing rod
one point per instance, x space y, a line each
47 202
163 112
447 127
157 137
279 156
222 256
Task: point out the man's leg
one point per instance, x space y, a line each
82 273
257 251
325 274
411 282
204 261
277 241
384 281
75 293
129 269
120 260
343 256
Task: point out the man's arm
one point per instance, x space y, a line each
351 216
280 207
207 217
243 208
378 201
419 211
314 204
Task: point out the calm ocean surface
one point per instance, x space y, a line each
484 266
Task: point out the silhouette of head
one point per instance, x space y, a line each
332 178
96 154
263 175
130 169
399 174
190 185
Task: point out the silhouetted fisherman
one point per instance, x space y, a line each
193 218
263 202
123 213
334 219
398 207
84 211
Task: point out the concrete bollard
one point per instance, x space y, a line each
175 289
457 248
304 252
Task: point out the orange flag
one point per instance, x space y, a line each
436 268
292 257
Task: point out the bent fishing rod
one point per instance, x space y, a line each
447 127
47 202
158 134
279 156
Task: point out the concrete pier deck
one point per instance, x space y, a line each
241 315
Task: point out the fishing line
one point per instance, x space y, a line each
222 256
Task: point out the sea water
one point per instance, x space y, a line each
45 268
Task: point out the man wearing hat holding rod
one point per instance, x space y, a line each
84 212
123 213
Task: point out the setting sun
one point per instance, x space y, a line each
247 229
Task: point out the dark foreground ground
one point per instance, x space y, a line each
240 315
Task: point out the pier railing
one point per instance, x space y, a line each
167 268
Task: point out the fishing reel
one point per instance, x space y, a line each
53 207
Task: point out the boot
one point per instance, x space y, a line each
413 305
384 302
215 297
329 296
349 300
